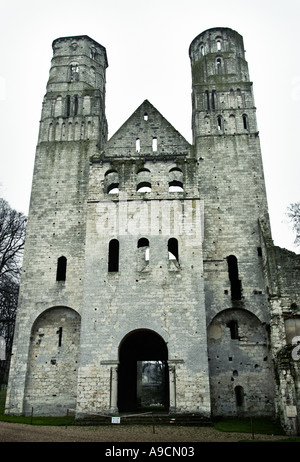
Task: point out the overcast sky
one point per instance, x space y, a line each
147 44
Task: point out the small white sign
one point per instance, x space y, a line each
116 420
291 411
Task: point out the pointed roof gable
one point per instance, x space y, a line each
146 133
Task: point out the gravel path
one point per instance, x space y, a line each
11 432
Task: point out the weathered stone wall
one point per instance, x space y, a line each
51 385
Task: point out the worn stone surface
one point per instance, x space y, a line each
167 251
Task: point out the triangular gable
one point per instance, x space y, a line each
146 133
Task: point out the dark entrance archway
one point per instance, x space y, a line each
143 376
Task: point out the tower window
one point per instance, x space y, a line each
145 116
219 44
173 249
213 99
245 121
219 121
236 292
202 50
75 105
61 269
207 100
68 105
113 256
74 72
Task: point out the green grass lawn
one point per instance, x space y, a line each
64 420
258 426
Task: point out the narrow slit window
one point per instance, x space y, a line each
219 45
245 122
61 269
207 100
146 116
173 249
235 283
113 256
219 121
137 145
75 105
154 144
68 105
59 332
213 99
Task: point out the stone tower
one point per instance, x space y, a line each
231 184
72 128
150 277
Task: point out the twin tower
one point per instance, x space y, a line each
144 277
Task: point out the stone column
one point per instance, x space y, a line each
172 380
114 389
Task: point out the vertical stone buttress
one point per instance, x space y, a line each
72 128
231 184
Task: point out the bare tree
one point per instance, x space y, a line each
293 212
12 240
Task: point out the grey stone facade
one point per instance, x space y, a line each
146 249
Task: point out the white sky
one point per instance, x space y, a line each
147 44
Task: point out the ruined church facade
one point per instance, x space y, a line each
150 278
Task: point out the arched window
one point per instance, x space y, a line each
75 105
137 145
144 250
173 249
143 180
207 100
239 396
245 122
74 72
175 180
113 256
111 182
68 105
220 123
213 99
235 283
61 270
154 144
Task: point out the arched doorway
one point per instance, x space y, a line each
51 381
143 376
